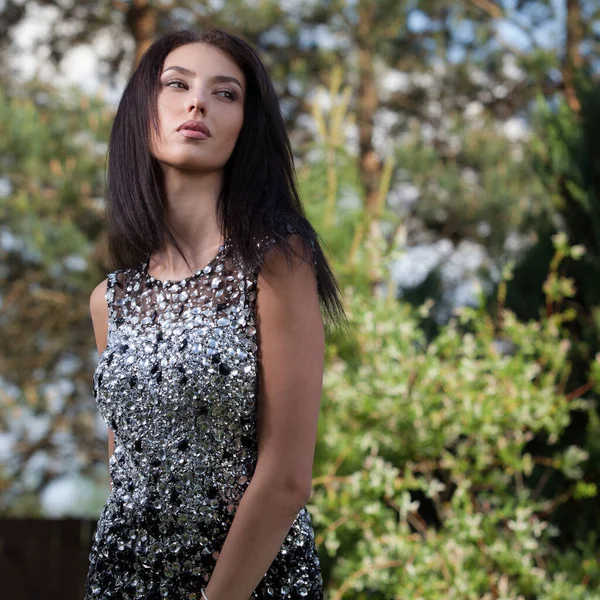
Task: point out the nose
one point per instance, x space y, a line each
195 103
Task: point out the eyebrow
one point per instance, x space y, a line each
215 78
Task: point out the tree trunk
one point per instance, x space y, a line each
368 101
142 20
573 60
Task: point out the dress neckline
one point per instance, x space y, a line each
205 270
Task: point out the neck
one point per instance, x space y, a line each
191 213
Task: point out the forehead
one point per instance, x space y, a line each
204 60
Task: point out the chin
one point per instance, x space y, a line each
192 163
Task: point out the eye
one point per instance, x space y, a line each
168 83
232 95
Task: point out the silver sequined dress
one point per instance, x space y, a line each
177 384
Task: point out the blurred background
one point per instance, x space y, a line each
448 153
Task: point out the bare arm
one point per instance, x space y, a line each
292 342
99 313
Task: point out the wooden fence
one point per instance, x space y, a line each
44 559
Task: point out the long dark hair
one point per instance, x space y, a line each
259 199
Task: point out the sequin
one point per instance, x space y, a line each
177 384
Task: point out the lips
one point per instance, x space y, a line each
195 126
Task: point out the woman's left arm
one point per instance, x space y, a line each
292 342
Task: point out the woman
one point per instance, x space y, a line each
210 335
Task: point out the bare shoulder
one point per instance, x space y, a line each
99 314
287 295
98 305
277 267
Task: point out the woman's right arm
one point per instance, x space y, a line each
99 313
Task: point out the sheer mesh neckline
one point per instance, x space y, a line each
206 269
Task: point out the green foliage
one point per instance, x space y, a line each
475 176
429 477
52 151
566 158
423 467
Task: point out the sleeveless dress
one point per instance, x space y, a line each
177 384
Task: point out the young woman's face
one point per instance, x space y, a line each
198 83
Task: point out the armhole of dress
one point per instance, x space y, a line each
292 230
110 300
249 297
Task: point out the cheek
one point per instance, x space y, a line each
164 114
235 127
